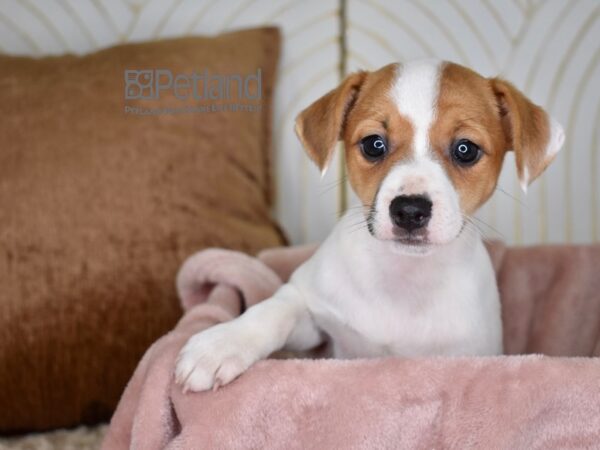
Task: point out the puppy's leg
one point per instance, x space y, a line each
216 356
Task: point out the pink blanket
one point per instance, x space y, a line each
551 305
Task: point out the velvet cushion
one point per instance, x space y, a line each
99 206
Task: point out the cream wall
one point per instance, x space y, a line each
548 48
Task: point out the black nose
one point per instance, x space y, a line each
410 212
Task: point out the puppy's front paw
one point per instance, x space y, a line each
214 357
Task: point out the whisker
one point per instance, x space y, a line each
518 200
357 227
473 227
342 179
332 186
354 207
490 227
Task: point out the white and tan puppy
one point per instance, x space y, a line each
424 146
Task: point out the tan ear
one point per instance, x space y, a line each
535 137
321 125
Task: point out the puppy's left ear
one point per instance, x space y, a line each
321 125
534 136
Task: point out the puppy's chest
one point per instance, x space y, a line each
409 320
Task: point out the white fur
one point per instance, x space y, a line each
415 94
372 295
370 300
420 177
375 302
524 181
217 355
555 142
557 138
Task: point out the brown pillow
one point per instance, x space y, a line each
99 207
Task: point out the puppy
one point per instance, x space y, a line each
424 144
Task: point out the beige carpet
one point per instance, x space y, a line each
81 438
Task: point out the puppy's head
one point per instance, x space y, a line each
424 145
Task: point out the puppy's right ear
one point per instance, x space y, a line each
321 125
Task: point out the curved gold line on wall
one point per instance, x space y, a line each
39 14
581 88
418 4
198 16
84 29
498 18
363 63
107 17
390 15
394 53
542 50
236 13
298 60
25 36
530 81
165 18
285 8
557 80
482 40
132 24
303 26
521 6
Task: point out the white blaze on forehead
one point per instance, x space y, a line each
415 93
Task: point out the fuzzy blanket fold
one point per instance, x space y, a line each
551 305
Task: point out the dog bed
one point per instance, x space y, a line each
544 394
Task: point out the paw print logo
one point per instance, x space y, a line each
138 84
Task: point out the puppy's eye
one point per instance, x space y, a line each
373 147
465 152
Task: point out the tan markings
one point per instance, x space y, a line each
467 109
527 128
359 107
496 116
320 125
375 112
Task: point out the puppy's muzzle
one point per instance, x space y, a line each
410 212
